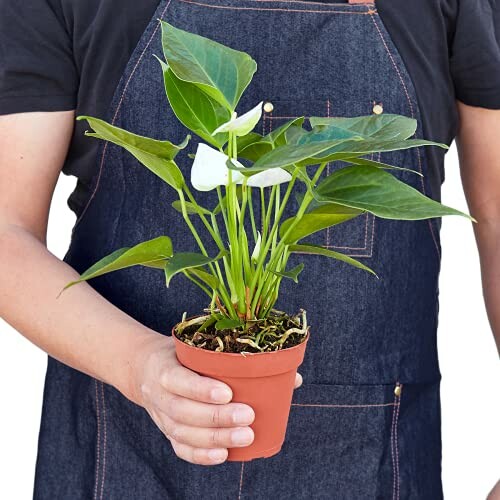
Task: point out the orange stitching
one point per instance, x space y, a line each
104 150
396 442
403 84
105 439
230 7
328 173
98 450
346 6
241 479
381 405
392 449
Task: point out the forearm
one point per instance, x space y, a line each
80 328
487 233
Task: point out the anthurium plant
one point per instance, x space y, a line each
204 81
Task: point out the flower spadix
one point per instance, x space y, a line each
241 125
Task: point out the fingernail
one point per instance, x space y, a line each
221 395
242 416
242 437
217 456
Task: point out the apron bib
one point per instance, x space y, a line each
366 422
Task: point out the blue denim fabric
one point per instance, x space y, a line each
350 436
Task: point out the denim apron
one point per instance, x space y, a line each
366 422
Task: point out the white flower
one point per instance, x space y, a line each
209 169
269 177
242 125
256 250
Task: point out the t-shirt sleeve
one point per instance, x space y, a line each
37 70
475 53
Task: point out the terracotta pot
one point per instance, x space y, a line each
263 380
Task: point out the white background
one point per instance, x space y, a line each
469 365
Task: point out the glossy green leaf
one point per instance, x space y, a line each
319 250
378 164
227 324
223 73
380 193
188 260
381 127
289 154
156 155
349 148
207 278
194 108
253 145
318 219
145 253
256 147
321 134
293 274
191 208
310 150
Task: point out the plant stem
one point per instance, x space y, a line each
277 252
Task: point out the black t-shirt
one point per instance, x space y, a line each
60 55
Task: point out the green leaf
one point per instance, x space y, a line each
382 127
380 193
349 148
182 261
223 73
293 274
288 154
191 208
194 108
227 324
156 155
319 250
145 253
257 146
318 219
207 278
371 163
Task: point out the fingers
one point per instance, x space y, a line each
199 456
298 380
201 437
194 413
184 382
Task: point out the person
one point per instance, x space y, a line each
121 417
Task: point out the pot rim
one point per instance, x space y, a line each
238 354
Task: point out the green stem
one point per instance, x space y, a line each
308 197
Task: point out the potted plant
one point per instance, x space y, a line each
241 338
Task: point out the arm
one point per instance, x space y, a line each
478 143
107 344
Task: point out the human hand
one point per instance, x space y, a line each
194 412
495 492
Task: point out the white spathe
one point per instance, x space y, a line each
269 177
256 250
243 124
209 170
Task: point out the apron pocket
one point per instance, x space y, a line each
355 237
341 443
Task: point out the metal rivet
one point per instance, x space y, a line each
378 109
268 107
397 391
